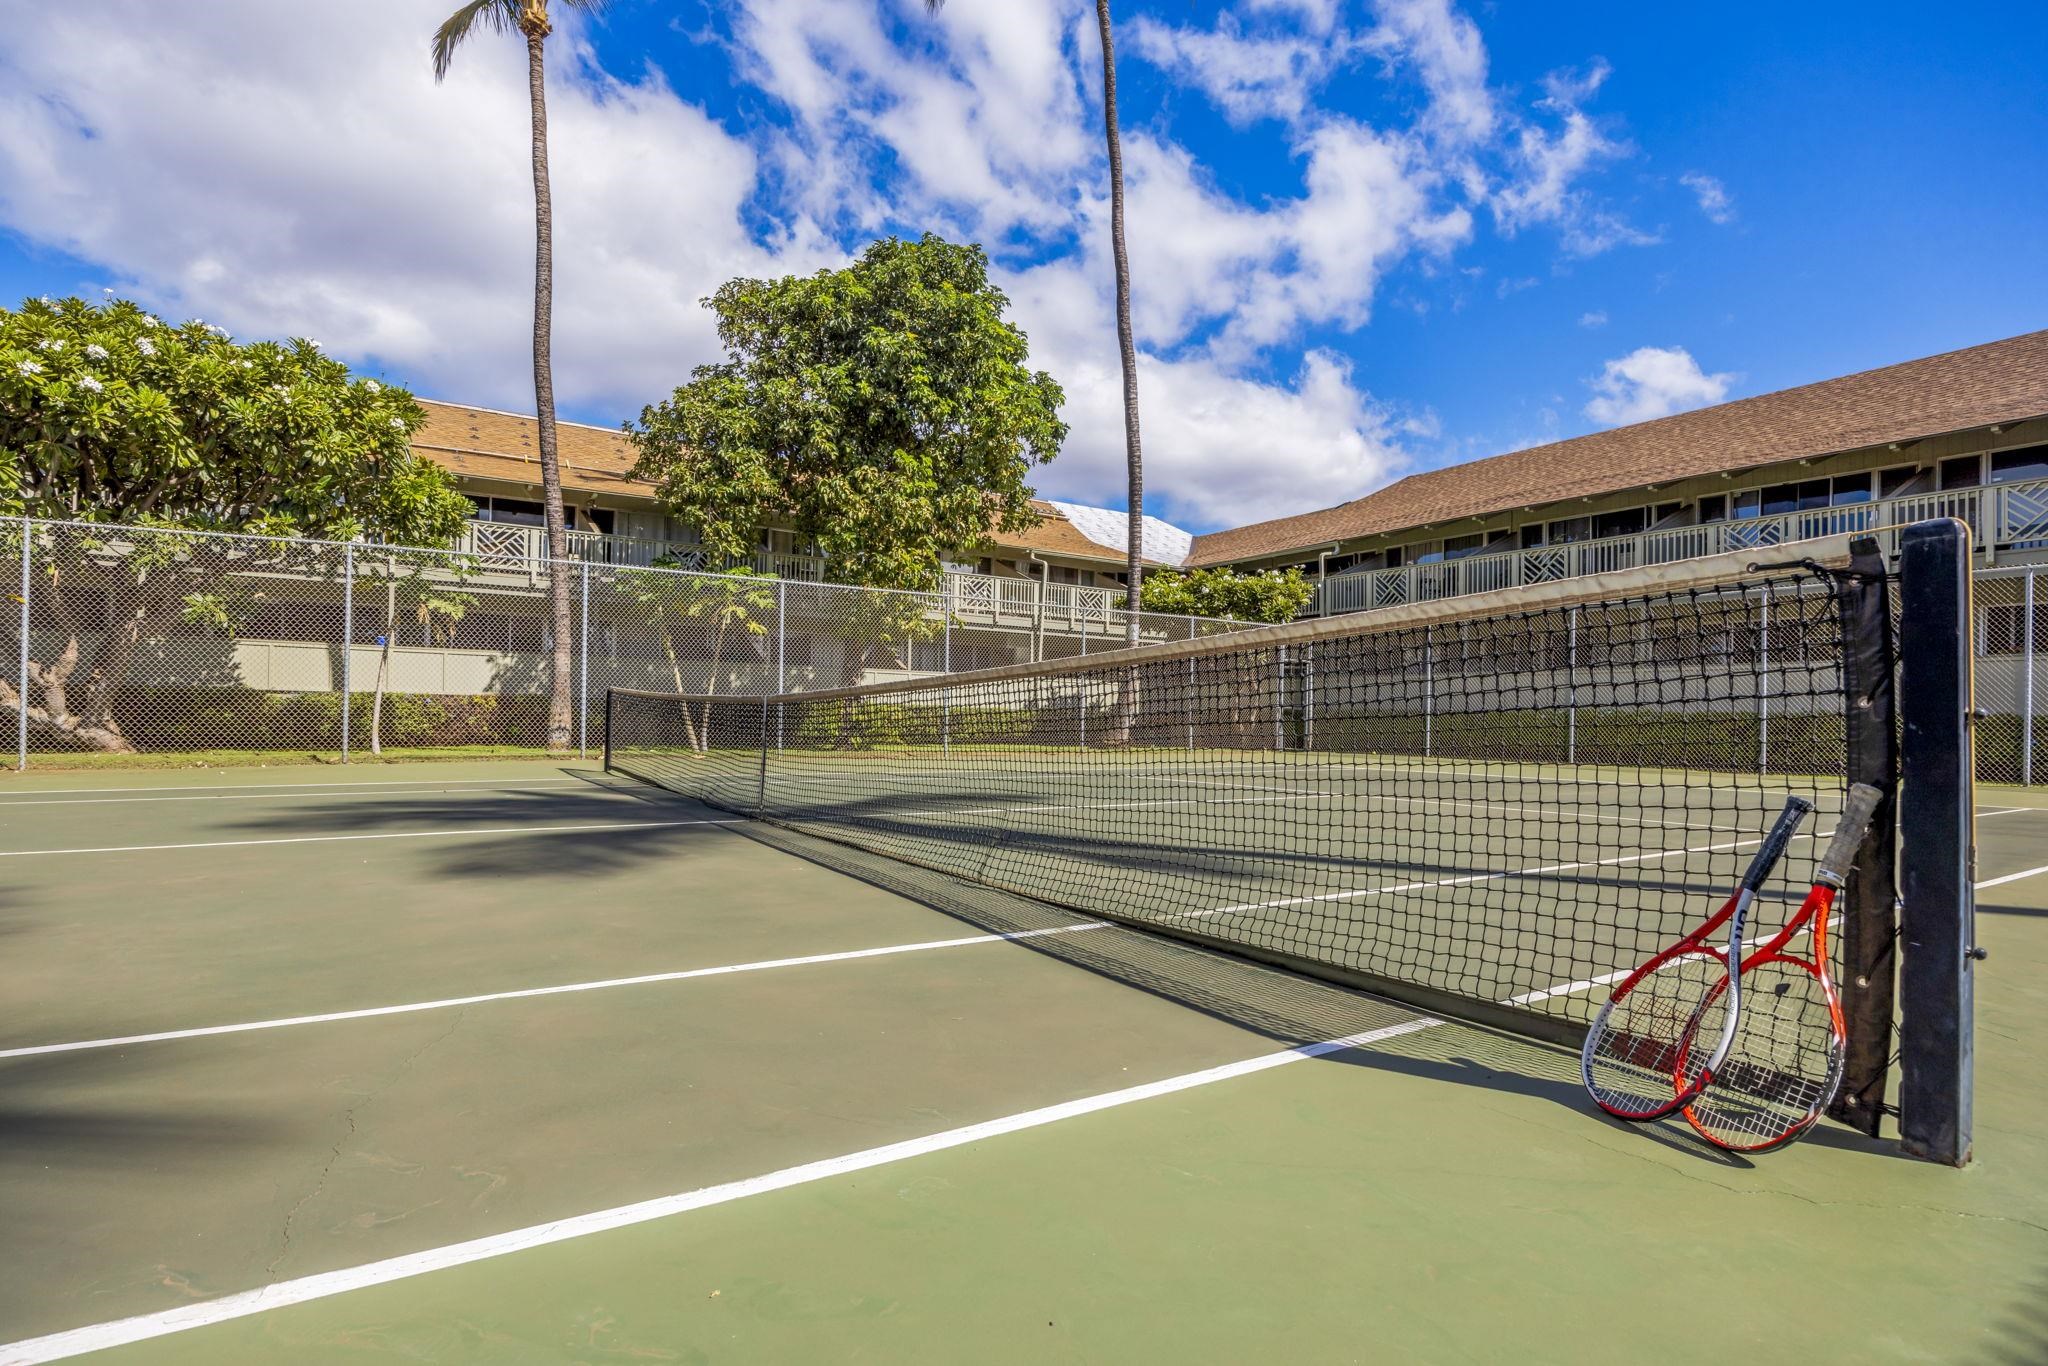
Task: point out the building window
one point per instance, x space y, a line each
1665 514
1714 508
1963 472
1458 547
1898 480
2028 462
1571 529
1627 522
1532 535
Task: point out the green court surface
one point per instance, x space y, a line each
923 1122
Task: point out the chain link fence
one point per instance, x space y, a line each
2011 636
123 639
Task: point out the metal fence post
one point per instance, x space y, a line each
781 654
1763 689
21 681
2026 678
1571 674
583 672
1428 692
348 636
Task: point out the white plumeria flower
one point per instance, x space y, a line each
373 386
96 351
145 346
396 425
89 384
151 320
29 367
284 389
216 329
51 344
248 365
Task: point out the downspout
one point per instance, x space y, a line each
1323 579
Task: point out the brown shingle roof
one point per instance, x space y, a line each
486 444
2003 381
492 445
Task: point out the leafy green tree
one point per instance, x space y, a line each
530 19
883 412
732 601
110 415
1270 595
1127 348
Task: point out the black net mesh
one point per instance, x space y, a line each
1496 811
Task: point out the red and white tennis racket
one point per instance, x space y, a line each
1689 994
1785 1064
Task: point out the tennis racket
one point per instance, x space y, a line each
1690 992
1785 1064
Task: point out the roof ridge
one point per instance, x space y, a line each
522 417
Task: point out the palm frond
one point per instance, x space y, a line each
500 16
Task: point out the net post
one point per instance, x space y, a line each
1936 985
761 782
609 695
1869 903
2026 676
946 666
348 636
21 681
781 654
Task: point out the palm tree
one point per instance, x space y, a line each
1134 460
530 19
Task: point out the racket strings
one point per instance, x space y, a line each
1633 1055
1785 1064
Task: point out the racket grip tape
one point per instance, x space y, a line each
1773 848
1850 830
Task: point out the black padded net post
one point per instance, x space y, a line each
1490 807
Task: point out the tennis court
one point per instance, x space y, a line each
1210 1003
923 1121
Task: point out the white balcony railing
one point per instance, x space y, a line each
2001 518
529 545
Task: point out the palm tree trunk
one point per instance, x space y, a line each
544 396
1127 348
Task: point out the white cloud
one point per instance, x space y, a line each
270 169
1652 381
1449 55
1595 318
296 170
1248 77
1548 165
1714 200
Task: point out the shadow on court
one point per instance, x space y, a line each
1282 1007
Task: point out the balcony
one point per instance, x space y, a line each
2002 518
528 545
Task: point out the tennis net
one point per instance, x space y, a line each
1490 806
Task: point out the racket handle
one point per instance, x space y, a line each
1850 829
1773 847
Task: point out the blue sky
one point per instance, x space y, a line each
1368 238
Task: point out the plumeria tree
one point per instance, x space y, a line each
1271 595
109 414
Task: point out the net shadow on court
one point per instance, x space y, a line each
1283 1007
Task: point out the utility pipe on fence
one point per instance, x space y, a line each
21 697
348 636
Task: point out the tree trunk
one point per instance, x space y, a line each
1126 346
675 669
711 684
544 396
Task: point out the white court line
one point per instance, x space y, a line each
338 782
2011 877
143 1327
413 1007
280 796
385 835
